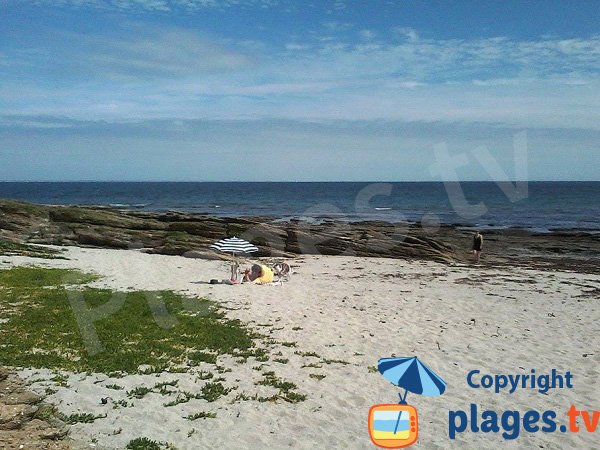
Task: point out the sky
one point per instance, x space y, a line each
292 90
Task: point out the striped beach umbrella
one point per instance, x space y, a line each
235 246
412 375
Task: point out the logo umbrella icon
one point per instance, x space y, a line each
395 425
412 375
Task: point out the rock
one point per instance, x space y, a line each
4 373
14 416
53 433
199 254
99 240
177 233
21 397
20 426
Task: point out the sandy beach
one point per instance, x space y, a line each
328 326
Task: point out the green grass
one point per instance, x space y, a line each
307 354
29 278
143 444
210 358
33 251
286 388
41 317
311 365
210 392
202 415
46 412
139 392
335 361
80 418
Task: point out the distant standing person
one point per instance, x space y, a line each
477 245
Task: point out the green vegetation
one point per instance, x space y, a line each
80 418
43 329
203 357
210 392
29 278
177 236
143 444
306 354
204 375
139 392
286 388
22 208
256 397
335 361
33 251
311 365
46 412
202 415
316 376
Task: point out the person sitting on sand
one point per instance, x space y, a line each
258 274
477 245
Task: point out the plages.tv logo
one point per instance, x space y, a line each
396 425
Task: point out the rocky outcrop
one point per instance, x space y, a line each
177 233
174 233
26 422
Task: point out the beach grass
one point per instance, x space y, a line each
147 444
44 328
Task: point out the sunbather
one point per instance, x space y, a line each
258 274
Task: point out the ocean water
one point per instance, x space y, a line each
539 206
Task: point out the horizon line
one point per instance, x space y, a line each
300 181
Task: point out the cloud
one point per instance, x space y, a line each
143 72
158 5
337 26
366 34
132 52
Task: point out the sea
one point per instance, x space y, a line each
536 206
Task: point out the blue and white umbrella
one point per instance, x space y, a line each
412 375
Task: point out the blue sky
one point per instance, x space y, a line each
230 90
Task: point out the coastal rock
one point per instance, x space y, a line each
20 426
185 234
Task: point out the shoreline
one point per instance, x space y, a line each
185 234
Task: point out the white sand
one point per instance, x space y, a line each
357 310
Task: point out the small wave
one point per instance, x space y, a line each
128 205
383 209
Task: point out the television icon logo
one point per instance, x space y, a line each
393 425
